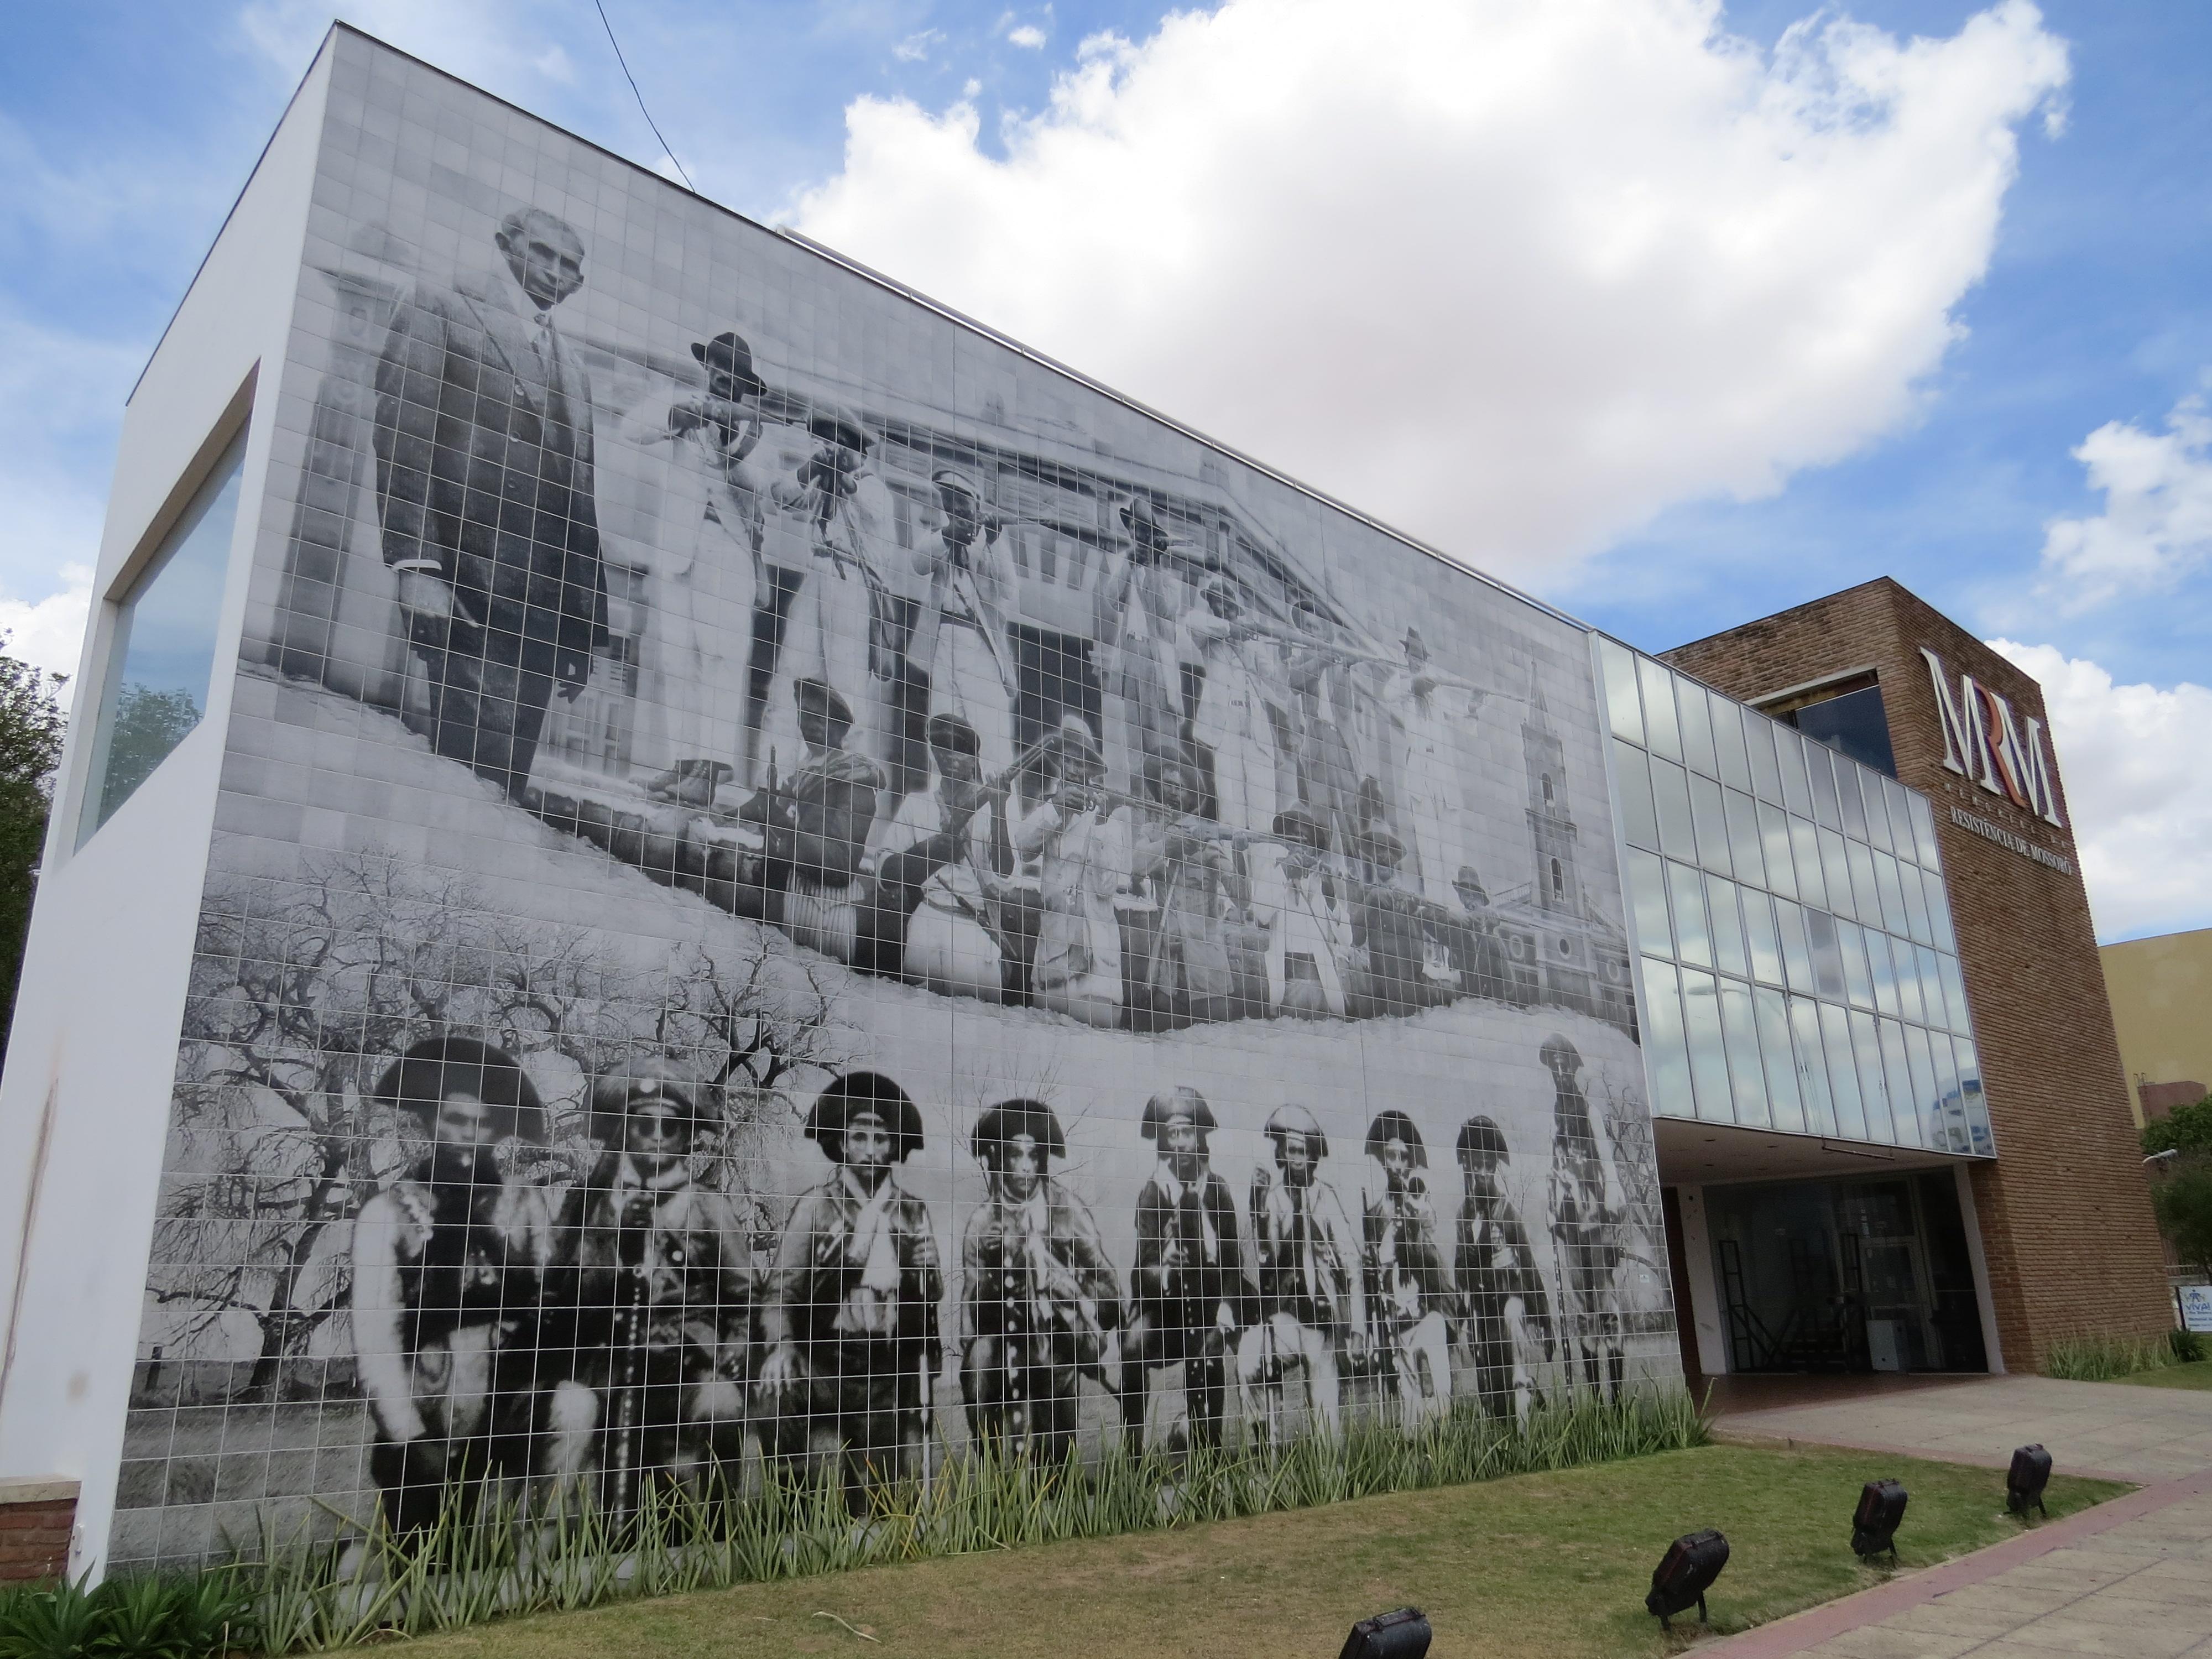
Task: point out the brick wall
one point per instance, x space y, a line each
2065 1210
36 1518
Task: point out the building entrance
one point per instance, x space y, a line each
1861 1275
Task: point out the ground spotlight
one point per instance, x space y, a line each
1403 1634
1873 1525
2024 1481
1684 1574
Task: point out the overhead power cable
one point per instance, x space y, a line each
639 96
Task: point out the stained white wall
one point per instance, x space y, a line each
84 1103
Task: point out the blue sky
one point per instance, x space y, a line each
126 129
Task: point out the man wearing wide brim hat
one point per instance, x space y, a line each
960 648
935 912
1187 1293
1502 1299
1039 1292
816 822
1589 1217
699 453
449 1262
1084 841
850 1312
1303 903
1410 1293
1312 1292
655 1302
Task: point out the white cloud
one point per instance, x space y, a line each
2157 522
915 49
2142 805
1029 37
49 633
1514 276
506 46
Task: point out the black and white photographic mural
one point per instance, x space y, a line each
795 885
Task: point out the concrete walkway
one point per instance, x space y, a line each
2137 1434
2132 1578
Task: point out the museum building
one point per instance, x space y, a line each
577 668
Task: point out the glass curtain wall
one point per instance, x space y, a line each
1800 969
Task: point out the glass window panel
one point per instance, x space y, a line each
1908 980
1931 986
1743 839
1781 1064
1979 1140
1929 1106
1621 703
1701 1021
1924 833
1905 1115
1843 1071
1891 890
1951 1109
1646 890
1774 838
1637 821
1836 872
1661 735
1697 724
1686 891
1759 744
1858 983
1866 898
1729 954
1797 954
1877 812
1847 796
1728 742
1873 1090
1805 853
1820 769
1916 903
1789 753
1812 1066
1670 795
1739 1023
1759 931
1711 820
1955 993
1900 802
1885 974
1666 1051
1827 954
1939 912
161 658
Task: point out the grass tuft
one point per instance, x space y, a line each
2100 1359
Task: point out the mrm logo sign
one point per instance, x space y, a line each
1982 741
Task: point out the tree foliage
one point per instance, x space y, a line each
2183 1200
32 726
2187 1129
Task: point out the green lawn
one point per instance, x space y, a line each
1543 1566
2196 1375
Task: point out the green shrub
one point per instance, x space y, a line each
483 1558
2101 1358
2188 1346
136 1616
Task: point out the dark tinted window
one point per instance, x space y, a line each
1854 724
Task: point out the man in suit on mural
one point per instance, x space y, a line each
484 480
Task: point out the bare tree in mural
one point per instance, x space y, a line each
302 994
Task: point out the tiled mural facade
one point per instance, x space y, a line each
793 884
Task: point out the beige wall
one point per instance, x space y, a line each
2161 994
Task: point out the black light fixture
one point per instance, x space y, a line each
2024 1481
1684 1574
1873 1524
1403 1634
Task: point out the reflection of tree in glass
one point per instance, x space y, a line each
148 724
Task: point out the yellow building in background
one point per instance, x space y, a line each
2161 994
